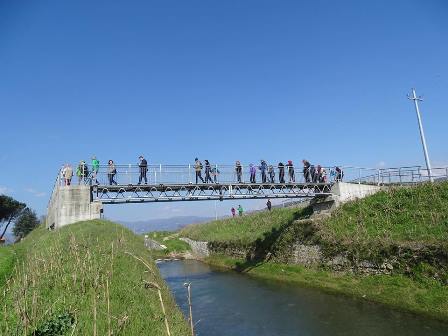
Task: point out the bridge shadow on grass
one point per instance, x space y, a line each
263 247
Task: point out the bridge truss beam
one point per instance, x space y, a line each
202 192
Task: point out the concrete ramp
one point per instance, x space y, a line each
70 204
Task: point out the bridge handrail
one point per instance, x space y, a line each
128 174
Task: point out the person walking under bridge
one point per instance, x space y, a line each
240 210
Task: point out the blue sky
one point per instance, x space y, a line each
223 80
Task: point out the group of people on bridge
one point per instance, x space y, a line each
311 173
267 172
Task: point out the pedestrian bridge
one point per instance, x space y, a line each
84 197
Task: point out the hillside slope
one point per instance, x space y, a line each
89 278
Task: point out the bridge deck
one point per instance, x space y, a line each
195 192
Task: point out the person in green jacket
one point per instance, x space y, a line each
95 168
240 210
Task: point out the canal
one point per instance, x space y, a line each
232 304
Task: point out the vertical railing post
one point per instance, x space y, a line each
160 173
189 173
359 180
399 174
129 173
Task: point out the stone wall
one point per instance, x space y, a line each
199 249
153 245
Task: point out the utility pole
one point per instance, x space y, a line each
422 133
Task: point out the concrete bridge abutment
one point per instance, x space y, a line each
342 192
70 204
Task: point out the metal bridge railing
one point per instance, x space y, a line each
186 174
226 174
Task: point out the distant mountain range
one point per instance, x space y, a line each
164 224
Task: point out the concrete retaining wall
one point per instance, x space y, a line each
350 191
199 249
153 245
70 204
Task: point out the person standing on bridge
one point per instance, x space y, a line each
215 173
263 167
321 174
339 174
281 172
143 168
82 172
95 168
208 170
253 172
238 171
306 171
240 210
68 174
111 172
269 205
79 173
198 170
271 173
233 211
313 174
291 174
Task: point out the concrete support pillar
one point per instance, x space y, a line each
70 204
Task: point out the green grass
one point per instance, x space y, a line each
7 259
402 215
427 297
84 278
171 241
245 229
417 214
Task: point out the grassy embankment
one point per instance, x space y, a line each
174 246
404 220
89 278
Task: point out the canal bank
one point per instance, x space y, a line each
389 248
229 303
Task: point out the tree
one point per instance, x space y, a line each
25 223
10 209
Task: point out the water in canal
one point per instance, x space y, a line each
232 304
